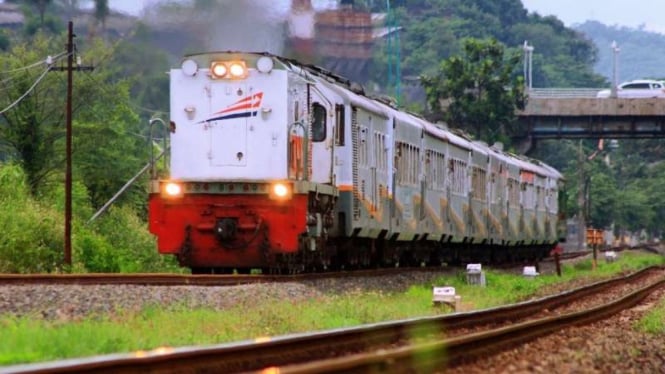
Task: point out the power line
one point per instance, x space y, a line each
49 67
48 61
26 92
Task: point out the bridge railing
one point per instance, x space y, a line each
572 93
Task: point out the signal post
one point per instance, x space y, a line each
594 238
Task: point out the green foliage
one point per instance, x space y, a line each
4 40
32 234
40 17
133 247
118 242
106 151
433 29
148 85
474 88
35 122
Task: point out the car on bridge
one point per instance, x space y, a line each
642 88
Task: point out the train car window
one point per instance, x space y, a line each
540 197
513 192
318 123
380 155
398 162
339 125
363 146
435 173
528 195
414 167
479 184
401 163
407 164
458 176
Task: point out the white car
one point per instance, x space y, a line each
642 88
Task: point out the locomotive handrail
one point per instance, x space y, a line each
153 172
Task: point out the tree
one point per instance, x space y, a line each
32 125
478 91
45 20
102 13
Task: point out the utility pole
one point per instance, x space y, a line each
393 52
581 225
528 66
68 119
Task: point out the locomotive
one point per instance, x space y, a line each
286 167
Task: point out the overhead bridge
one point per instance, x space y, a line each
577 113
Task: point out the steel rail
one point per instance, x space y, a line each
163 279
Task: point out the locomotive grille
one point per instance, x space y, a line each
354 143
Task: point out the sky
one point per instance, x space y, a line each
649 14
631 13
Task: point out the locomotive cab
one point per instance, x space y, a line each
248 128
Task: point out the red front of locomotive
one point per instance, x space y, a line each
227 225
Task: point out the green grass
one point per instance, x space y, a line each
654 321
24 340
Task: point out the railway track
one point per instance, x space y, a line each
161 279
419 345
192 280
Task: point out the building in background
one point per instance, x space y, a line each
340 39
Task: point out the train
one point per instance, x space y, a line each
283 167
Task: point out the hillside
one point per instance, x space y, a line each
641 52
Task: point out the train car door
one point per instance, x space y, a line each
322 123
497 197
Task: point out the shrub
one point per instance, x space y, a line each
32 235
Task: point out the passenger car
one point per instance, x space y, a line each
642 88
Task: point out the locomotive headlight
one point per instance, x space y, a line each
238 69
172 189
280 191
228 70
218 70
